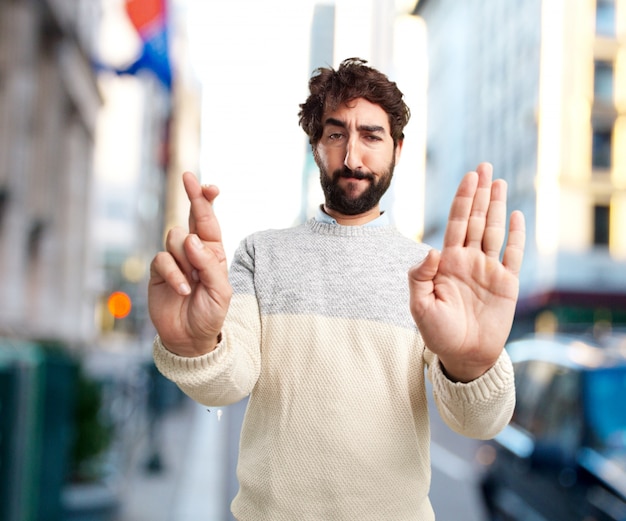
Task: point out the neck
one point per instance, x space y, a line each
354 220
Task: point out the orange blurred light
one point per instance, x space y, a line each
119 304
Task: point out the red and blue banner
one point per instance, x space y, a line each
149 18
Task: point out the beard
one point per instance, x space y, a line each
340 200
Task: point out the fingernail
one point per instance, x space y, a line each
184 289
196 242
195 275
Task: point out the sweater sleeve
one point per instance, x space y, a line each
477 409
230 372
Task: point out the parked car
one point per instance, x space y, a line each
563 456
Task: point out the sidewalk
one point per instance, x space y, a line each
196 448
193 482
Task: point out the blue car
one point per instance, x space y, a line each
563 456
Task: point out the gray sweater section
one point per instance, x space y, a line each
364 271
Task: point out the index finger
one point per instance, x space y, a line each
460 210
202 219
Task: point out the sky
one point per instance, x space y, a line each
253 61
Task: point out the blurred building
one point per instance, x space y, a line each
49 103
89 125
92 117
49 106
538 88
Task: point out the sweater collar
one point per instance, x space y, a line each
322 217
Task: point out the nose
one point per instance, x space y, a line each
354 157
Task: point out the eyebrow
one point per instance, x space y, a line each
366 128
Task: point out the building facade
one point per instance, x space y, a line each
48 108
88 133
537 88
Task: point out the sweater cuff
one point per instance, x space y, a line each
496 380
165 360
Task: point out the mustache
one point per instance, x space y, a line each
353 174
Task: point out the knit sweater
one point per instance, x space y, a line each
320 336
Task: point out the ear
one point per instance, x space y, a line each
398 150
316 155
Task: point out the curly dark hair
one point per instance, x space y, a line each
353 79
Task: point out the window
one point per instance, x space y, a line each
4 203
35 238
532 379
559 416
605 17
601 148
603 81
606 414
601 222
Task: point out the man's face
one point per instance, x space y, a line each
356 156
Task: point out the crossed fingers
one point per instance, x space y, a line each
202 220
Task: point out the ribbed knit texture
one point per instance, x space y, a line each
320 335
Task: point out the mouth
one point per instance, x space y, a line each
354 186
358 175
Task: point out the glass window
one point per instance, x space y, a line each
601 224
604 391
531 380
601 148
603 81
35 238
559 418
4 202
605 17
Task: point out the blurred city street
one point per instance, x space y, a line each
174 464
105 103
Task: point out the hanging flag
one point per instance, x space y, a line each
149 18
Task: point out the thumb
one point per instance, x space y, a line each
425 271
421 285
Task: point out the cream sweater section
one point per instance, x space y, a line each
320 337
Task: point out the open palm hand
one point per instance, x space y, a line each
463 298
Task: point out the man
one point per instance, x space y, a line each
330 326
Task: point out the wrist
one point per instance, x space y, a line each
193 349
462 372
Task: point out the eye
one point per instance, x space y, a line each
373 137
335 136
